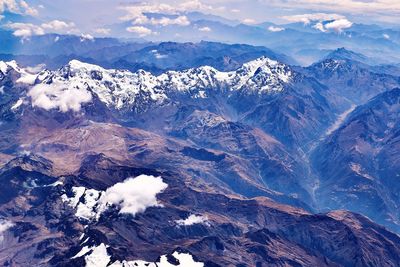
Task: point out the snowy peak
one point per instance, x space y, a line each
262 72
332 64
264 75
76 65
5 67
124 90
115 88
23 76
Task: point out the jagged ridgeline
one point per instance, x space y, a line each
258 164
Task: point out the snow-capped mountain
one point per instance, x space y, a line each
121 90
24 76
75 144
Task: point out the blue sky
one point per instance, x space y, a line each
94 17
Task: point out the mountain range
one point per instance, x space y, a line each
305 41
243 159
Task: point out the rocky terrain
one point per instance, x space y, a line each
262 165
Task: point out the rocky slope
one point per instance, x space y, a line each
219 230
359 163
108 167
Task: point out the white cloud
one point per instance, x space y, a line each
4 226
58 96
308 18
58 25
205 29
324 21
137 13
235 10
193 5
379 8
134 195
164 21
35 69
103 31
25 30
319 26
140 30
193 219
386 36
338 25
28 10
275 29
10 5
249 21
18 7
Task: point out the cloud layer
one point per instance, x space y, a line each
310 17
193 219
58 96
26 30
138 15
4 226
18 7
324 22
134 195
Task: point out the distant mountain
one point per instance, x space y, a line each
177 56
55 51
352 79
297 40
344 54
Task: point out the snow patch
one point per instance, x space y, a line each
357 168
17 104
26 75
87 209
3 67
275 29
98 257
83 252
27 78
184 259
